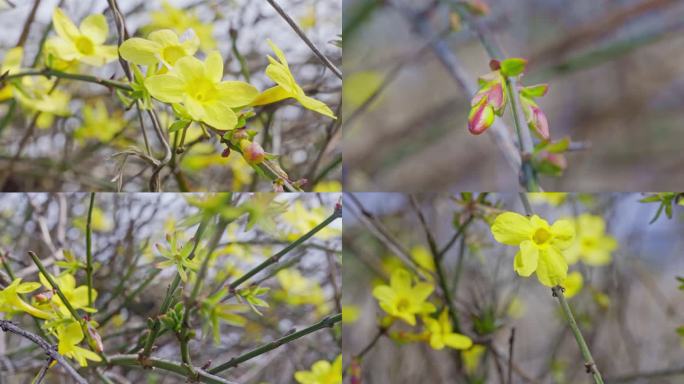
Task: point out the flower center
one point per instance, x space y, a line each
588 242
202 90
541 236
172 53
85 45
403 305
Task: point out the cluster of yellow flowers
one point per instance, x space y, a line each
322 372
405 298
58 319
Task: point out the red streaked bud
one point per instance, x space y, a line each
226 152
43 297
481 117
494 64
538 122
252 152
557 159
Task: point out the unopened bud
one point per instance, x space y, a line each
481 117
252 152
538 122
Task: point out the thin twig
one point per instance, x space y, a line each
303 36
89 250
50 350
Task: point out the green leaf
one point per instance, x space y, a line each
558 146
513 66
178 125
534 91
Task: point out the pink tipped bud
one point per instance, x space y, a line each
494 65
538 122
556 159
43 297
252 152
480 118
94 336
355 371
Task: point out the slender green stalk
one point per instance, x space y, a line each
54 285
589 363
89 249
275 258
528 176
48 72
166 304
178 368
234 362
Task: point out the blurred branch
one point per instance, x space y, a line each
651 375
50 350
198 375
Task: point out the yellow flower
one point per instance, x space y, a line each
402 299
441 333
287 87
322 372
573 284
76 296
198 87
11 302
552 198
178 256
592 245
298 290
98 123
350 313
84 43
161 46
181 20
540 245
70 335
423 257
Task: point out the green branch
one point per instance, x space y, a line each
589 363
178 368
89 251
54 285
48 72
234 362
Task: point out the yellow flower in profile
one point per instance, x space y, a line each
70 336
11 302
198 86
573 284
552 198
472 357
540 245
161 46
84 43
322 372
442 335
402 299
287 87
181 20
592 245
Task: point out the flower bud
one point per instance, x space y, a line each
481 117
538 122
252 152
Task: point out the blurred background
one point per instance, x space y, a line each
629 310
615 79
76 154
304 286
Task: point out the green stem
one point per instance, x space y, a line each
54 285
169 366
234 362
528 176
89 250
589 363
48 72
275 258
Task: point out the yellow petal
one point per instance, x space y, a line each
316 106
271 95
12 60
511 228
236 93
165 37
457 341
219 116
563 233
95 27
551 269
283 77
214 66
189 68
573 284
64 27
526 259
62 49
166 88
140 51
400 279
278 52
